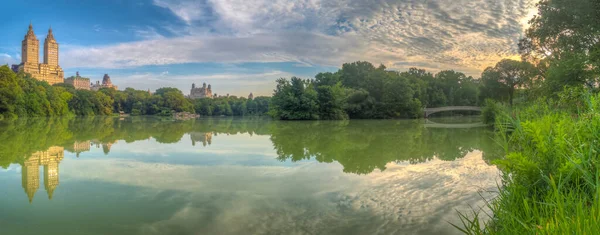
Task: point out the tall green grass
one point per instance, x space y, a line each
551 174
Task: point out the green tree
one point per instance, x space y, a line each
513 74
294 99
11 94
491 86
563 27
173 99
331 101
564 35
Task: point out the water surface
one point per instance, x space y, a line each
151 175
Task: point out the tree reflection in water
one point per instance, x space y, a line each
360 146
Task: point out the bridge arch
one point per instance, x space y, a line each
429 111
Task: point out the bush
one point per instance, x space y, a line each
551 174
490 111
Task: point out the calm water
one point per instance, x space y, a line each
239 176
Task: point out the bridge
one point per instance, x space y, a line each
429 111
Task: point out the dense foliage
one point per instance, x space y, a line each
23 96
551 182
564 39
361 90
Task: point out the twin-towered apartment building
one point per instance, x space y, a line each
50 71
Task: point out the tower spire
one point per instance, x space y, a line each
30 33
50 35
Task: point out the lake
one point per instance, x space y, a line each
151 175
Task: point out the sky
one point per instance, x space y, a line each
242 46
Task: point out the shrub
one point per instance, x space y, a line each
490 111
551 174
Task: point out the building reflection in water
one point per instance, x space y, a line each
204 137
80 147
105 146
50 159
30 172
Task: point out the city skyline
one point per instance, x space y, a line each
243 47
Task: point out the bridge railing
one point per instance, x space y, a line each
448 108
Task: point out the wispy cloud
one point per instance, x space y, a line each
147 33
279 47
464 35
8 59
188 11
232 83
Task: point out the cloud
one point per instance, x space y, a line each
147 33
261 84
188 11
298 47
229 199
464 35
8 59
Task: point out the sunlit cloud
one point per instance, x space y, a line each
463 35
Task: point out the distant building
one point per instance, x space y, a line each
201 92
251 96
79 82
48 71
106 83
15 68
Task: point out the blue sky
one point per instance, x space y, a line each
242 46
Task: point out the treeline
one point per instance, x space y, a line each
23 96
232 106
361 90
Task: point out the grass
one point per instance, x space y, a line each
551 172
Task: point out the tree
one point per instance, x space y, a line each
563 27
172 99
397 96
564 38
512 74
10 93
327 79
294 99
570 71
359 104
331 101
491 87
355 75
